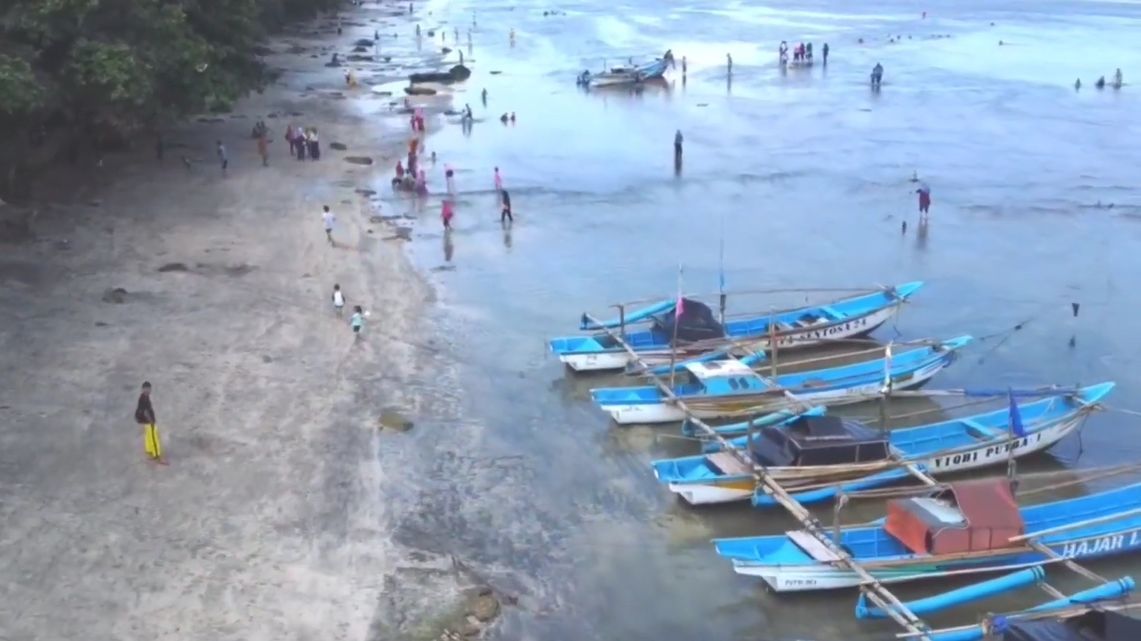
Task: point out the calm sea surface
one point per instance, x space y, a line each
804 178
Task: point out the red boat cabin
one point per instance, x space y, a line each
970 516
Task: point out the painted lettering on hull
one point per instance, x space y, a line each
984 454
847 328
1102 545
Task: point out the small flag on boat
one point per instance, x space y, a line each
1016 427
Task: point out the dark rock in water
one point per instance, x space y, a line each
339 146
445 50
356 57
363 42
173 267
359 160
419 91
117 296
391 419
360 49
431 32
455 74
495 73
484 607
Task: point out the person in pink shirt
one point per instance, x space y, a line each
498 181
447 212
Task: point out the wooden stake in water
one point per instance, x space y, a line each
773 343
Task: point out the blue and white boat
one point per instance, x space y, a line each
729 387
631 74
966 528
699 332
814 457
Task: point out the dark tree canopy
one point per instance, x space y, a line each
116 65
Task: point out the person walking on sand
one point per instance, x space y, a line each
678 139
357 321
498 180
729 59
505 210
145 416
223 157
450 179
338 299
263 149
328 219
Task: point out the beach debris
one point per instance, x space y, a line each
495 72
118 296
420 91
391 419
359 160
363 42
173 267
366 192
339 146
356 57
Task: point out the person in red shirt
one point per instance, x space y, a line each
924 201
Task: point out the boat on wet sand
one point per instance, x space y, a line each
815 457
968 527
699 333
729 387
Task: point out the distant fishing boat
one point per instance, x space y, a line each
630 74
968 528
728 387
814 457
699 333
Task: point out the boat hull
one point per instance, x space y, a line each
810 578
739 488
584 355
663 412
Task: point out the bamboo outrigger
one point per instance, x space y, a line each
876 599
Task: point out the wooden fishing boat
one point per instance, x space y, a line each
968 527
627 75
699 333
730 387
815 457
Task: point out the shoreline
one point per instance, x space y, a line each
272 518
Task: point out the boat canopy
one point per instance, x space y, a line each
819 440
697 322
1095 625
728 368
969 516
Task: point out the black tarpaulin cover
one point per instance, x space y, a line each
1092 626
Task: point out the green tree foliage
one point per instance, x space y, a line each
122 64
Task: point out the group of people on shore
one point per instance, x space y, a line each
801 53
303 141
1118 81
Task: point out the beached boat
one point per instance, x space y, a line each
699 333
966 528
730 387
814 457
1092 624
627 75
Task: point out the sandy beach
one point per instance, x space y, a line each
270 521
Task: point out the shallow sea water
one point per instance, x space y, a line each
804 178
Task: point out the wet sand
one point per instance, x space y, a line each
273 519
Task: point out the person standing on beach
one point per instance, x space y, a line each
924 201
729 59
498 181
223 157
145 416
447 212
328 219
338 300
450 179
